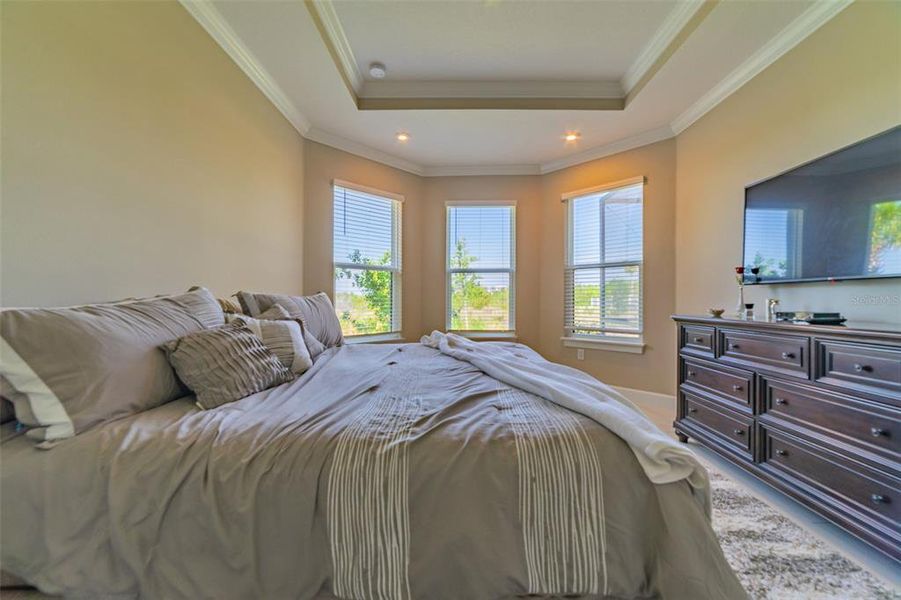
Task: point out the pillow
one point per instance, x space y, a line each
280 313
225 364
67 369
283 338
228 307
317 312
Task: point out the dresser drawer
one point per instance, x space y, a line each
733 385
697 339
733 429
786 354
868 368
869 426
831 478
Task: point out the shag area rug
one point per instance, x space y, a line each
776 559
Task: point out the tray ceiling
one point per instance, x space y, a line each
491 87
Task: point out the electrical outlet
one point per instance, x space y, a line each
580 354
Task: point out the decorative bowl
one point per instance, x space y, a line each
716 312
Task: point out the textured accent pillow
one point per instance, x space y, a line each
280 313
228 307
317 312
67 369
225 364
283 338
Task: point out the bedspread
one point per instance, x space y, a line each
384 472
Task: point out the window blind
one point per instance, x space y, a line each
481 267
603 274
367 260
773 242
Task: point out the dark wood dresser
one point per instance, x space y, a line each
814 411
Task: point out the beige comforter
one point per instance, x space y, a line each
388 472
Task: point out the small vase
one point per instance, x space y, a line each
740 307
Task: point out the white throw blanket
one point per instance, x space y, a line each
663 459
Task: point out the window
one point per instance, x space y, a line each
367 260
481 267
884 254
773 242
604 263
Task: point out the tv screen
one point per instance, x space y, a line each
837 217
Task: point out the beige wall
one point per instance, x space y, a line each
655 369
837 87
526 192
323 165
137 158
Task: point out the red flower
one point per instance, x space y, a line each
740 270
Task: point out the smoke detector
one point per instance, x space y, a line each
377 70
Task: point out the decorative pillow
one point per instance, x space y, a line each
283 338
68 369
317 312
225 364
228 307
280 313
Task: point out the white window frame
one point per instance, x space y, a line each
630 341
511 320
396 250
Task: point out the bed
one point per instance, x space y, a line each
383 472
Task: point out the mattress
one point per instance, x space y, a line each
386 471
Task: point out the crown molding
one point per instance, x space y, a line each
362 150
505 103
488 95
629 143
329 25
481 170
358 149
492 89
797 31
674 23
215 25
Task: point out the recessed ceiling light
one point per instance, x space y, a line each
378 70
402 136
572 136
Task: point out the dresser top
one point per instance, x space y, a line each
891 331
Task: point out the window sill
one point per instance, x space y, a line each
487 336
374 338
635 346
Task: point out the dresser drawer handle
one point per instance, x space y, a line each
692 409
738 431
862 368
879 499
733 346
691 373
699 340
736 388
781 401
781 452
878 432
788 355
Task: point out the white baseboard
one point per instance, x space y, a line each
644 398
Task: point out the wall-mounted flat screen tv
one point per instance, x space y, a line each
837 217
